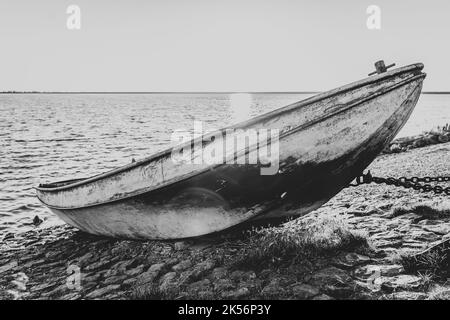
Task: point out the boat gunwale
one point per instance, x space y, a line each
299 104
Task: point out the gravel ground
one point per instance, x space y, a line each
63 263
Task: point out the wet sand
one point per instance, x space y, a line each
43 264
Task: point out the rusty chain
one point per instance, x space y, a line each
409 183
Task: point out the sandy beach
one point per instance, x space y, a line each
357 246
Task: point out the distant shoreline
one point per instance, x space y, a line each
157 92
181 92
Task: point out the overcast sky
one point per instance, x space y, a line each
212 45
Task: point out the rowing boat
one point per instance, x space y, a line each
322 144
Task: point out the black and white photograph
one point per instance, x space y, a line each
235 153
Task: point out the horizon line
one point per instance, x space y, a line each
180 92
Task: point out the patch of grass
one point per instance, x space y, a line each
426 280
298 240
439 293
435 263
427 211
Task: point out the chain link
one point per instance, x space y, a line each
409 183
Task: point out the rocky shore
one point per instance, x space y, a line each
440 135
369 242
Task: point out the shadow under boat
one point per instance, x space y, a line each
324 143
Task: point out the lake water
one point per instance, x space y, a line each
48 137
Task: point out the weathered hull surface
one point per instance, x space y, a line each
325 142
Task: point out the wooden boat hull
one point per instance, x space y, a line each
325 142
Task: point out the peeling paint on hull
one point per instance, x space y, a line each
330 139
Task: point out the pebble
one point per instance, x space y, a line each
129 282
419 141
44 286
350 260
221 285
219 273
330 275
400 282
273 290
8 236
135 271
304 291
167 281
9 266
202 268
408 295
199 288
322 297
180 245
116 279
388 270
37 221
236 294
183 265
151 274
98 265
102 291
71 296
441 229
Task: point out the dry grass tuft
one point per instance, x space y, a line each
435 263
426 210
297 240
